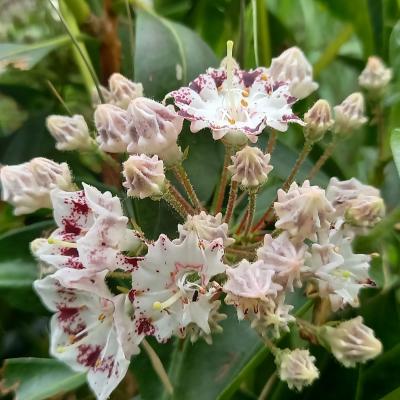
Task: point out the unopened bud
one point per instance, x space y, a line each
375 76
351 342
365 211
123 90
107 96
296 367
70 133
154 129
319 120
293 67
349 115
49 174
111 124
250 167
144 176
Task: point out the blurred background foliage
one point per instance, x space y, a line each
165 47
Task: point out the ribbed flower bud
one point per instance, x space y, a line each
296 367
375 76
293 67
27 186
154 129
349 115
111 124
123 90
319 120
144 176
250 167
351 342
70 133
207 227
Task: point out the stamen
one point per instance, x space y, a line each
229 74
62 243
167 303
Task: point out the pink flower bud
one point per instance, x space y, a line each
123 90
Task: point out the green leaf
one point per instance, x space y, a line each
394 395
26 56
395 145
167 55
39 378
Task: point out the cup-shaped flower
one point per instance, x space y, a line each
91 329
27 186
123 90
293 67
206 227
318 121
339 272
303 210
171 286
112 125
250 167
296 367
70 133
360 205
235 105
144 176
154 129
375 76
351 342
349 115
285 258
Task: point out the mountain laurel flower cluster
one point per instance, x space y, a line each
112 283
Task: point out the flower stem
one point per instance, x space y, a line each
180 199
158 366
220 194
231 201
271 142
325 155
266 390
182 176
174 203
250 212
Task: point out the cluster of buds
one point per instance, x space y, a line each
109 287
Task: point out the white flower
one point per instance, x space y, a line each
234 103
144 176
207 227
27 186
360 205
375 76
293 67
153 129
349 115
112 125
351 342
91 330
285 258
170 287
70 133
319 120
303 210
250 167
92 233
123 90
340 273
296 367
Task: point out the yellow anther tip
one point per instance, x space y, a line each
157 306
229 43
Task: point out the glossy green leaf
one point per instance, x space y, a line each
167 55
39 378
395 145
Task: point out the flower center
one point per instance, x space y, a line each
62 243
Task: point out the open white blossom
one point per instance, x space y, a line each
123 90
296 367
250 167
303 210
27 186
144 176
285 258
349 115
206 227
70 133
235 103
375 76
171 286
293 67
351 342
339 272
